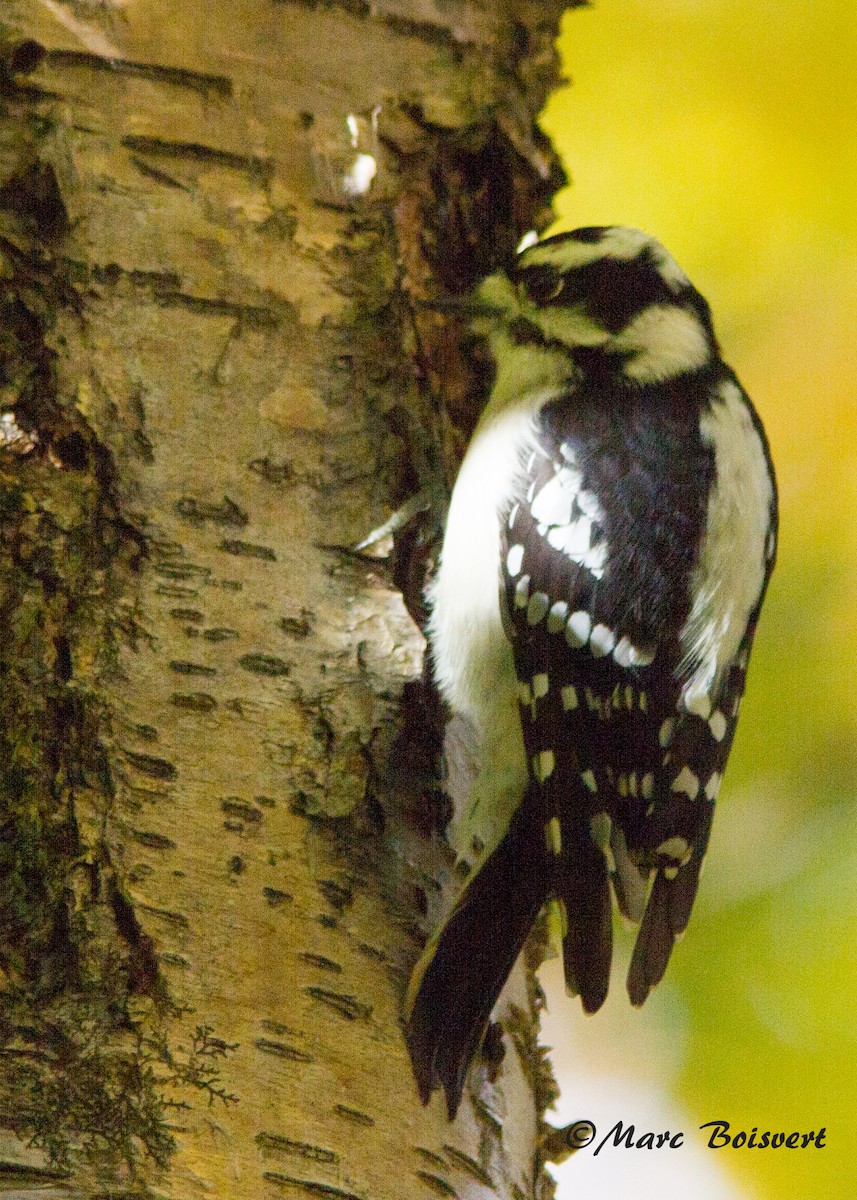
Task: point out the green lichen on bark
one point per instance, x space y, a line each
52 567
90 1084
85 1065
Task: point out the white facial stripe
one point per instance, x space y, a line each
618 242
569 325
666 341
727 581
564 256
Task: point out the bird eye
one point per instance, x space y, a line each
542 284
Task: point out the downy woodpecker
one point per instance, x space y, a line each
609 541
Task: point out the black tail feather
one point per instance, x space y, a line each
583 887
463 968
666 917
665 920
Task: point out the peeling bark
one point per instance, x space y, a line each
222 363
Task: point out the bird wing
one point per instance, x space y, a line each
624 780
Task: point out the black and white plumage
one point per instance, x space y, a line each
609 542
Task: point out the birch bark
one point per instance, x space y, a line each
220 224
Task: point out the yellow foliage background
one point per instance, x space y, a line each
726 128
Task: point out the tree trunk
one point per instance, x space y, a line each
222 230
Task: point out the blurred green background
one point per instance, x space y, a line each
727 129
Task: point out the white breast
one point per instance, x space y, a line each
471 653
472 657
